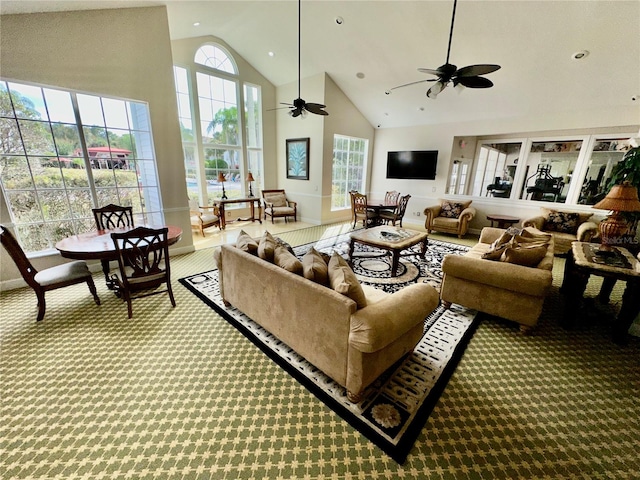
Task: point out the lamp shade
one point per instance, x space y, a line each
621 198
221 177
250 177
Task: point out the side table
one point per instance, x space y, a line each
582 262
503 221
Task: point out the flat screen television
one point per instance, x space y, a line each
420 165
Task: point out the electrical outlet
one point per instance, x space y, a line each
417 214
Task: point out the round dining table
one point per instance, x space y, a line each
98 245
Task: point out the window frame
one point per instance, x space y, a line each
346 204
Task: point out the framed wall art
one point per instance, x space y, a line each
298 158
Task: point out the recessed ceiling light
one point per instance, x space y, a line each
271 54
196 24
360 75
580 55
339 20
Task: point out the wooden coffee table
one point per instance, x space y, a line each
392 239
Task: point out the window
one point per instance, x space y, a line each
349 169
213 56
212 107
574 170
64 153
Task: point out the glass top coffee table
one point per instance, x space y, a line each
392 239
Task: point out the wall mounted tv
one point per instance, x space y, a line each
420 165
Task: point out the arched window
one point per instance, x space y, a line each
215 57
221 125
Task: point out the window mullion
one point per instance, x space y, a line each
85 151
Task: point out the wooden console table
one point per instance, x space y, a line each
253 201
582 262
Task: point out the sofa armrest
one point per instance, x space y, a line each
377 325
586 231
537 222
468 214
291 204
507 276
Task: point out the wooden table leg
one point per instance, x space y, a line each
628 311
395 261
573 287
351 248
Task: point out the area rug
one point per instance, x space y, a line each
396 407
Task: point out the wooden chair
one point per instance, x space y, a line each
277 205
204 216
143 259
113 216
398 213
52 278
360 211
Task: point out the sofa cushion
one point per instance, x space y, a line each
266 247
525 254
344 281
279 241
285 259
315 268
276 199
451 209
246 243
498 247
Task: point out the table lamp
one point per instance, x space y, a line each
250 179
221 179
621 198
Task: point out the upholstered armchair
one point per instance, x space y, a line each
449 217
204 217
276 204
566 227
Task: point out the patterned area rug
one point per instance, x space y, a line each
395 408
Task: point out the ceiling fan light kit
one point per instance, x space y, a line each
448 73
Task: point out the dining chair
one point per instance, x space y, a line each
113 216
398 213
143 260
360 210
51 278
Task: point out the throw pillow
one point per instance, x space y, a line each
266 247
563 222
246 243
498 247
279 241
315 268
277 199
526 255
344 281
451 209
284 259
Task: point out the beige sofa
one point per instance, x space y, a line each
507 290
352 346
586 230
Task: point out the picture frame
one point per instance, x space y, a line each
298 158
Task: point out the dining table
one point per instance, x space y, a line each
98 245
378 205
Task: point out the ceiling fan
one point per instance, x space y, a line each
445 74
299 107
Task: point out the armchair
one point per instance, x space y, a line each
203 216
566 227
276 204
449 217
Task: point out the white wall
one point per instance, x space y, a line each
123 53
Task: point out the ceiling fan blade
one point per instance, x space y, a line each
316 108
296 112
407 84
278 108
436 89
475 82
474 70
429 71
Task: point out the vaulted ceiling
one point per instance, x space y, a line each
380 44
